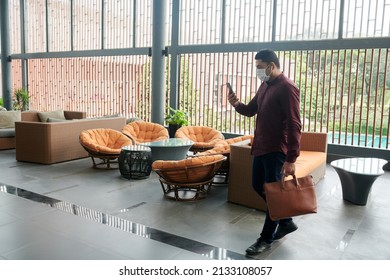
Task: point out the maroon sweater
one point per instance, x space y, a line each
278 123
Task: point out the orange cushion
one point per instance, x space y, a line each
202 136
308 161
182 164
218 149
234 140
141 131
223 146
102 140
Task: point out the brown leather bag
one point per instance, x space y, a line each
288 198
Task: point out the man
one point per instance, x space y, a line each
276 143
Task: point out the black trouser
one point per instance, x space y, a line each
266 169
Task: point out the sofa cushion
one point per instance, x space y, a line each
56 120
7 132
308 161
106 117
8 118
110 116
57 114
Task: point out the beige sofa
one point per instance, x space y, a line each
7 133
312 160
52 142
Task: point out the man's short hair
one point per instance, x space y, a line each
268 56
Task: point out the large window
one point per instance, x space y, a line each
336 52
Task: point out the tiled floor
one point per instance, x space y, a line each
72 211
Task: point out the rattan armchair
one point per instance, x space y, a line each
187 179
223 148
204 137
141 132
103 143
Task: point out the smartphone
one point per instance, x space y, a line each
229 87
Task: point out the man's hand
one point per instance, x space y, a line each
288 168
233 100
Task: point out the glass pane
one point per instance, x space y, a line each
96 85
14 15
200 22
118 24
365 18
87 24
248 21
35 26
143 28
307 20
59 25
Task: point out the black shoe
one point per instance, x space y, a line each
258 247
284 229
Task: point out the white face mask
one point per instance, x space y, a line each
262 75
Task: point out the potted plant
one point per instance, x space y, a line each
21 101
1 105
175 119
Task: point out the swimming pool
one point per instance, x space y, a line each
359 140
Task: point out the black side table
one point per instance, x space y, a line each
357 176
135 162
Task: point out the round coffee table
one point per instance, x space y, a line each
357 176
169 149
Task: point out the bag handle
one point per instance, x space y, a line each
295 179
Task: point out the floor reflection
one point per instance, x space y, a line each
194 246
345 241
